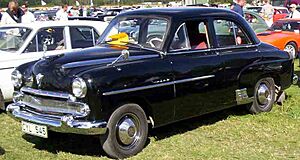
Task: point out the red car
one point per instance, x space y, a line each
285 35
280 13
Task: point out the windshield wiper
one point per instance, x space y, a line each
145 48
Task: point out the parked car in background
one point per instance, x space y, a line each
284 34
176 64
257 23
109 13
280 13
256 9
89 18
41 15
22 43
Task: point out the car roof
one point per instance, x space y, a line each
43 24
179 12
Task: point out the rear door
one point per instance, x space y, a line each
237 52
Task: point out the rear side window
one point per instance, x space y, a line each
191 35
230 34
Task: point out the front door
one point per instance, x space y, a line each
196 70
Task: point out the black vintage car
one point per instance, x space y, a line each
152 67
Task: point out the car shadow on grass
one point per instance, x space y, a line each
70 143
196 122
90 145
2 151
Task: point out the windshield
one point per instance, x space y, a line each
12 38
144 32
286 26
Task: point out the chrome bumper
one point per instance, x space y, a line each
66 124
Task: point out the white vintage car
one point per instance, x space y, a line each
21 43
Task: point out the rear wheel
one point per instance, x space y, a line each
127 132
291 48
264 96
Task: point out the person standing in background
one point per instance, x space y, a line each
84 13
28 17
267 12
0 14
238 7
294 13
13 14
75 12
62 14
81 11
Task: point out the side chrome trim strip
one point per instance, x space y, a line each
193 79
7 68
45 93
156 85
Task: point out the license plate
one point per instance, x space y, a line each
34 129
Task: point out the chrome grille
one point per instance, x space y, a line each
50 103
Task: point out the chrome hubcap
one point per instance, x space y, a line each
264 94
127 130
291 50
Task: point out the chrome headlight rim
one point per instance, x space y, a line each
17 78
79 87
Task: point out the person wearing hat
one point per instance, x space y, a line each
294 13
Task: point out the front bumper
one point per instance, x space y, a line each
67 124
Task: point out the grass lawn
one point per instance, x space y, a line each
229 134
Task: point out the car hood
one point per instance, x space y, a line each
58 71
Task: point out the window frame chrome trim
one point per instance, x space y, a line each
156 85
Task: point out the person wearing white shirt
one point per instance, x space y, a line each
62 15
12 15
28 17
294 12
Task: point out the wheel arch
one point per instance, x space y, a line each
143 103
245 80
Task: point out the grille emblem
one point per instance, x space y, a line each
39 79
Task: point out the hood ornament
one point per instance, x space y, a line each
39 79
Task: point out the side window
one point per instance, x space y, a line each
32 46
180 40
229 34
52 36
198 36
82 37
156 31
191 35
250 18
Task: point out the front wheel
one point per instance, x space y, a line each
264 96
127 132
291 48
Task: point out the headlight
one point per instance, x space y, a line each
79 88
16 78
